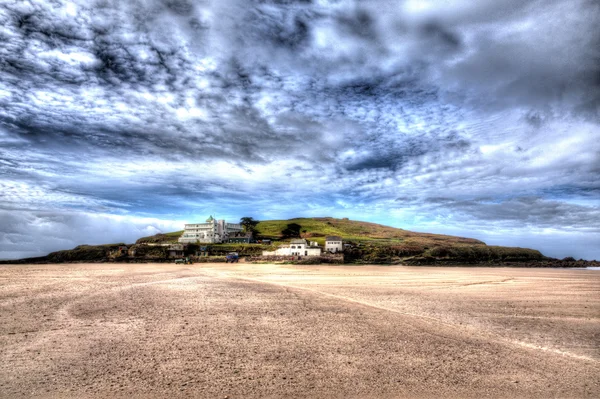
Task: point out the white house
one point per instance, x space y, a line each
212 232
297 247
333 244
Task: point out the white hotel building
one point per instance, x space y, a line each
297 247
211 232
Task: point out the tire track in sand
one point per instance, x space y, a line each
475 331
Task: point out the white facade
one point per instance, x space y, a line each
211 232
333 244
298 247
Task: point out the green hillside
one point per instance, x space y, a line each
375 243
316 229
366 243
170 238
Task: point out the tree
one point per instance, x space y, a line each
249 224
291 231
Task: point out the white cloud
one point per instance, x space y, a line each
170 109
36 233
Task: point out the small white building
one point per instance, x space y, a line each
333 244
297 247
211 232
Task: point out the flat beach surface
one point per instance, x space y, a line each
239 331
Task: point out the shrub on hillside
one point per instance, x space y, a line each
83 253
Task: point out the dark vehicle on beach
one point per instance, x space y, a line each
186 261
232 257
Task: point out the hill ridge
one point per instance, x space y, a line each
368 243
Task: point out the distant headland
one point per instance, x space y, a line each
307 241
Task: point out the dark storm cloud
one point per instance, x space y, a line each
390 155
284 30
529 211
143 107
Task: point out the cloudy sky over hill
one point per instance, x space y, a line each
124 118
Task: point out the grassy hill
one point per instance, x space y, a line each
316 229
166 238
376 243
367 243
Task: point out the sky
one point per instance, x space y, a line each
121 119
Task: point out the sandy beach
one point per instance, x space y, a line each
243 330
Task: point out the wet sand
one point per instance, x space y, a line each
214 330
